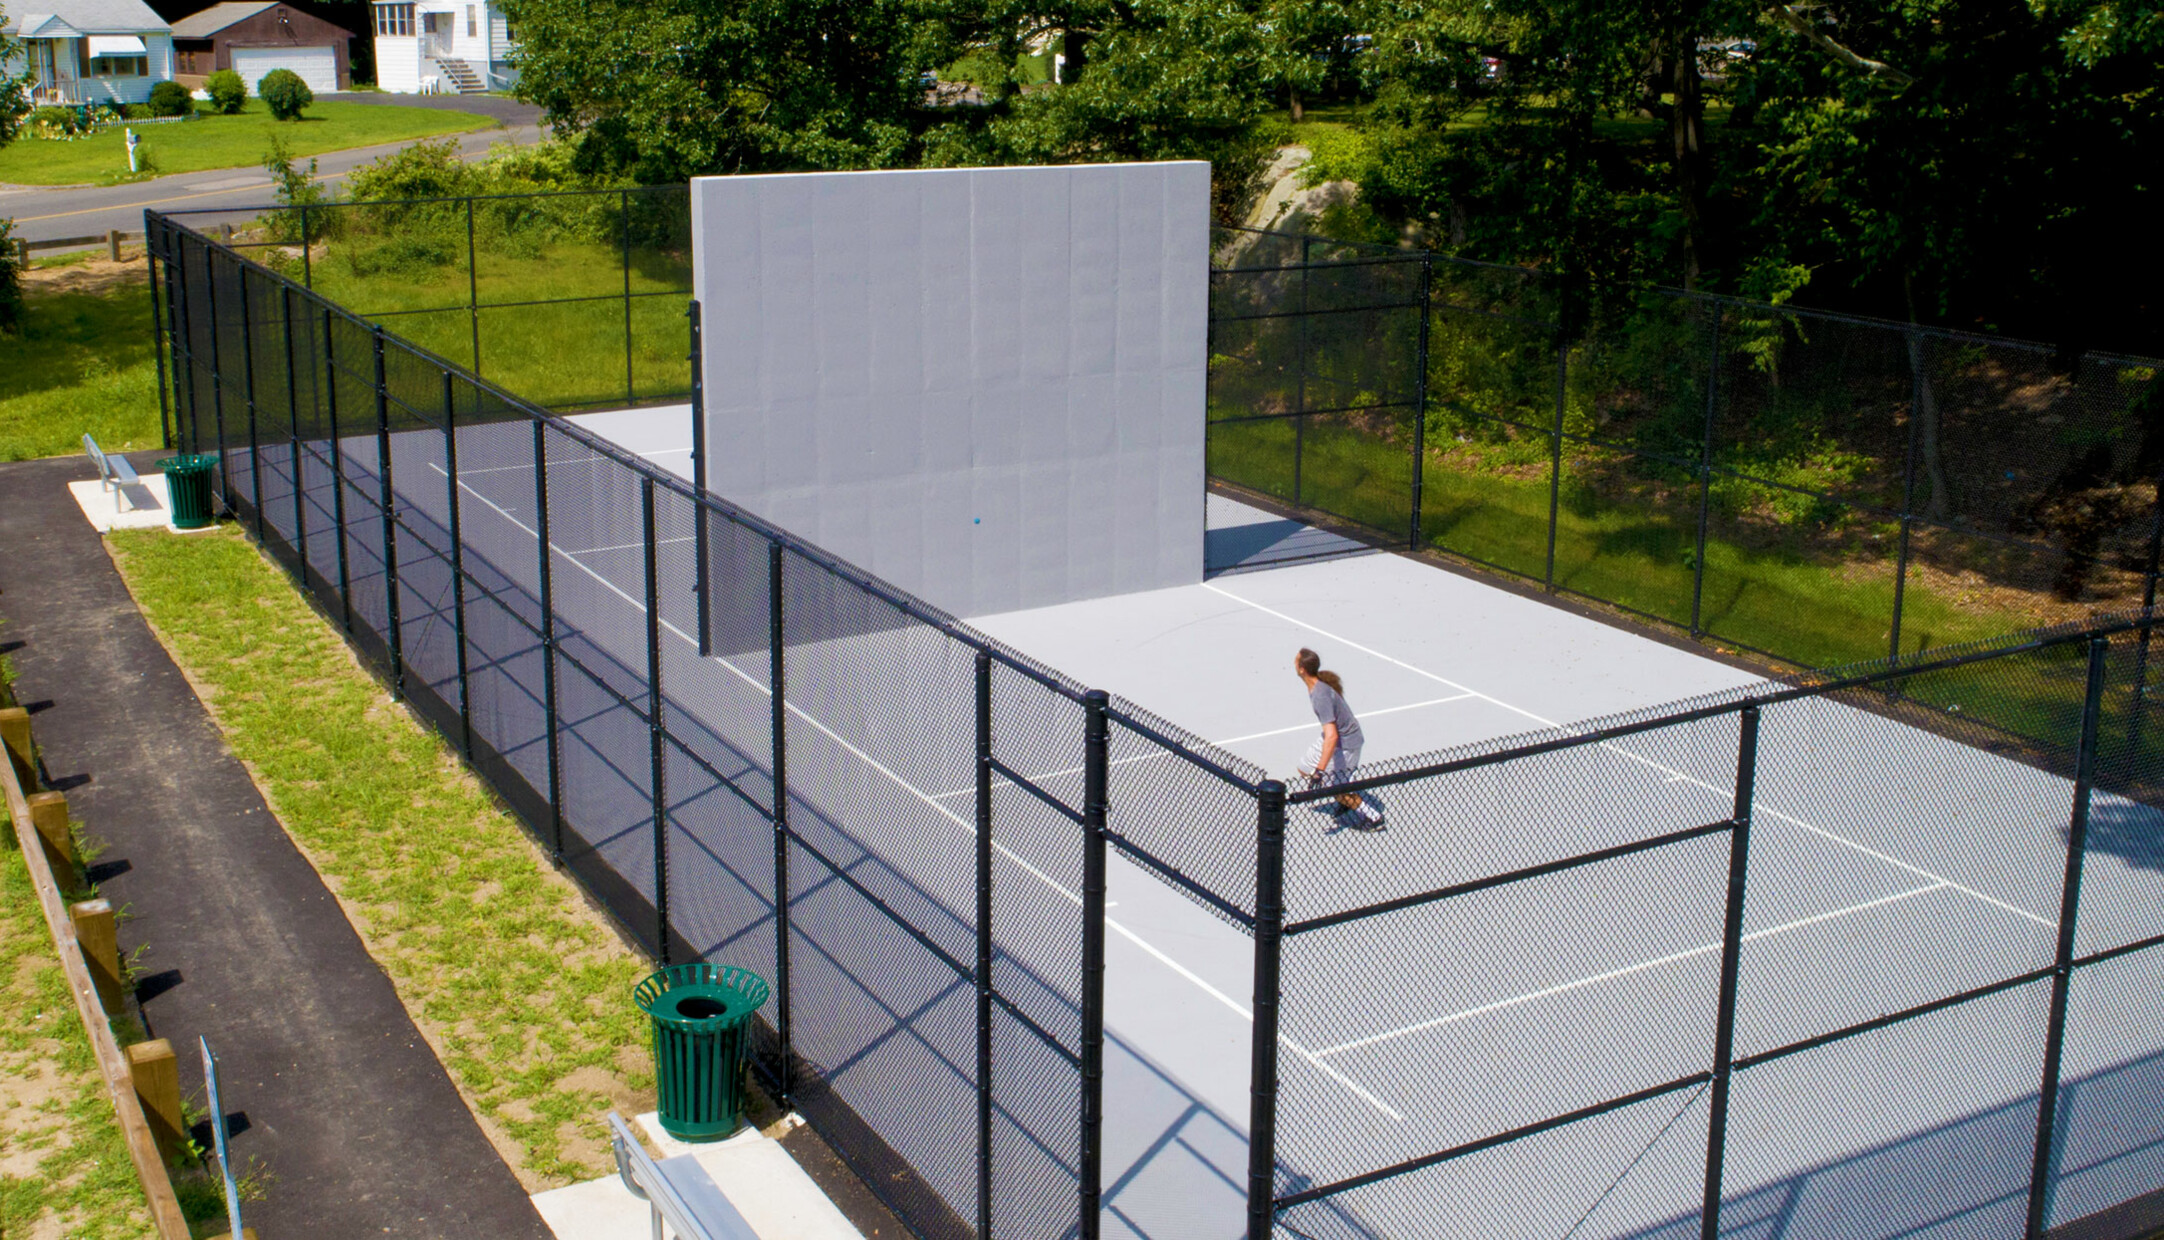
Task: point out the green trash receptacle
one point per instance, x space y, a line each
187 487
702 1023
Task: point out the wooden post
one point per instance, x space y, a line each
15 735
49 814
100 943
156 1074
112 239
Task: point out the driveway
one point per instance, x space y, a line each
43 213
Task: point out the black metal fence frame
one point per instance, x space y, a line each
184 331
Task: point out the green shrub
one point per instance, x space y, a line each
54 122
171 99
410 254
283 92
227 92
134 111
11 279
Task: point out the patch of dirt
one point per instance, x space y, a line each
95 275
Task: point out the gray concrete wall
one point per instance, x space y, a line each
984 385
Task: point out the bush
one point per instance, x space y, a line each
227 92
171 99
283 92
11 279
134 111
54 122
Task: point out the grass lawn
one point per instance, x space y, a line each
521 988
223 141
556 355
66 1169
81 362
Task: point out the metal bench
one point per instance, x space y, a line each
114 472
677 1190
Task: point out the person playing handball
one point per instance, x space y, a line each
1334 755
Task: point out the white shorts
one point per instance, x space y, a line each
1342 761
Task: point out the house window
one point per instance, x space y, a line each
472 31
120 66
395 20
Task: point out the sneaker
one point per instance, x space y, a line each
1360 818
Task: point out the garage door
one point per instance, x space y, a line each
316 65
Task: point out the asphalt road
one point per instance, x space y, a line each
43 213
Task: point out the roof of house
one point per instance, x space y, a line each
217 17
87 17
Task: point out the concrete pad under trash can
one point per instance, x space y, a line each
757 1175
145 505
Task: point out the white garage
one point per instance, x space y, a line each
317 66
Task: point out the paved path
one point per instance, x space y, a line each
45 212
344 1103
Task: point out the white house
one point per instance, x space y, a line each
90 51
448 45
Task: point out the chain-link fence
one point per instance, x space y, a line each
574 299
1819 488
1805 952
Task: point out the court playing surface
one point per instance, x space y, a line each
1889 867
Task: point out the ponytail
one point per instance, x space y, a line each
1311 663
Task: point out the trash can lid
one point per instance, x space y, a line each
701 996
187 460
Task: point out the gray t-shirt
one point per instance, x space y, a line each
1330 707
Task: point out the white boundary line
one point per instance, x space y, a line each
1232 740
966 825
628 546
1673 774
1641 967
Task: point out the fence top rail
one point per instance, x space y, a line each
646 190
1730 701
1201 753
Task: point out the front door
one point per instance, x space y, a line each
436 34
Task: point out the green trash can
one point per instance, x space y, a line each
187 485
702 1022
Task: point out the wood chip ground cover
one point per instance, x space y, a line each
519 984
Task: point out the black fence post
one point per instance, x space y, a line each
247 358
1420 398
2138 707
308 267
338 469
624 222
458 563
217 376
1724 1030
293 445
160 339
1705 478
699 544
2062 970
186 433
1269 948
656 736
778 726
393 637
1555 457
1096 769
548 640
1908 497
1299 404
984 945
473 288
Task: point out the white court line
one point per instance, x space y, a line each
592 460
1641 967
1230 740
1674 774
628 546
965 824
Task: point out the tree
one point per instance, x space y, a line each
228 93
664 89
14 106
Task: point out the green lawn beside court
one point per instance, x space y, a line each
82 362
238 141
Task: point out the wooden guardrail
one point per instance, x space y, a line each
143 1080
111 239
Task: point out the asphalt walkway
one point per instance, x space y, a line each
330 1085
45 212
